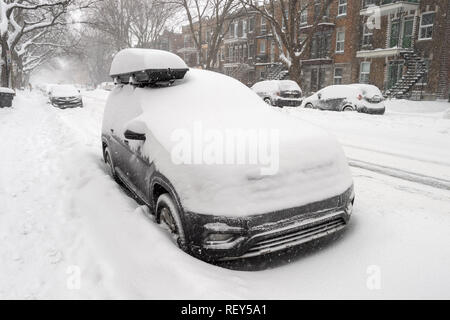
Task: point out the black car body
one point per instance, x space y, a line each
137 125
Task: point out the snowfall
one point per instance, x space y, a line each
68 231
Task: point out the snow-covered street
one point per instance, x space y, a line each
63 219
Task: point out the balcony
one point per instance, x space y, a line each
387 7
235 40
381 52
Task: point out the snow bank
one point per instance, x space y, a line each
446 114
132 60
312 166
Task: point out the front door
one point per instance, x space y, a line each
395 73
395 33
407 32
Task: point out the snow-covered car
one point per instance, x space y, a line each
108 86
280 93
352 97
65 96
219 210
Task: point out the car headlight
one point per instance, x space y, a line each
216 238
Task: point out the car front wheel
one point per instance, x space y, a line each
109 164
168 214
309 106
348 108
267 100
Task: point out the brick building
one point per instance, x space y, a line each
406 54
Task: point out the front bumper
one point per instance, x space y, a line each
287 102
267 233
372 108
63 103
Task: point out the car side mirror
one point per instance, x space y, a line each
131 135
319 95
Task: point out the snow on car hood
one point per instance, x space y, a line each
311 164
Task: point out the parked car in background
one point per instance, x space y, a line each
279 93
108 86
219 211
352 97
65 96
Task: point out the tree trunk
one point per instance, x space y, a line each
295 70
6 68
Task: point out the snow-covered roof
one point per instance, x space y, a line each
64 90
275 85
134 60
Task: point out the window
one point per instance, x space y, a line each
263 25
317 9
244 28
340 41
369 3
426 26
262 47
231 30
367 36
342 8
251 24
304 17
364 72
338 75
320 45
236 29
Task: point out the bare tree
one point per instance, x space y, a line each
149 18
284 19
207 19
25 22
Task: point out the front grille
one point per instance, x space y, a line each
293 95
279 240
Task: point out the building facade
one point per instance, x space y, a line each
401 46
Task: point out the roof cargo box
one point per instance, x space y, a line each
147 66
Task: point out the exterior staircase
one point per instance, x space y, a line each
416 68
277 72
240 71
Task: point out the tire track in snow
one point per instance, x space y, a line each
401 174
396 155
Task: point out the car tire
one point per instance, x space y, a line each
168 215
268 101
348 108
309 105
109 164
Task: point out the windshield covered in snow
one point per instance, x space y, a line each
64 91
289 85
368 90
339 91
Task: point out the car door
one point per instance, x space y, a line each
138 168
